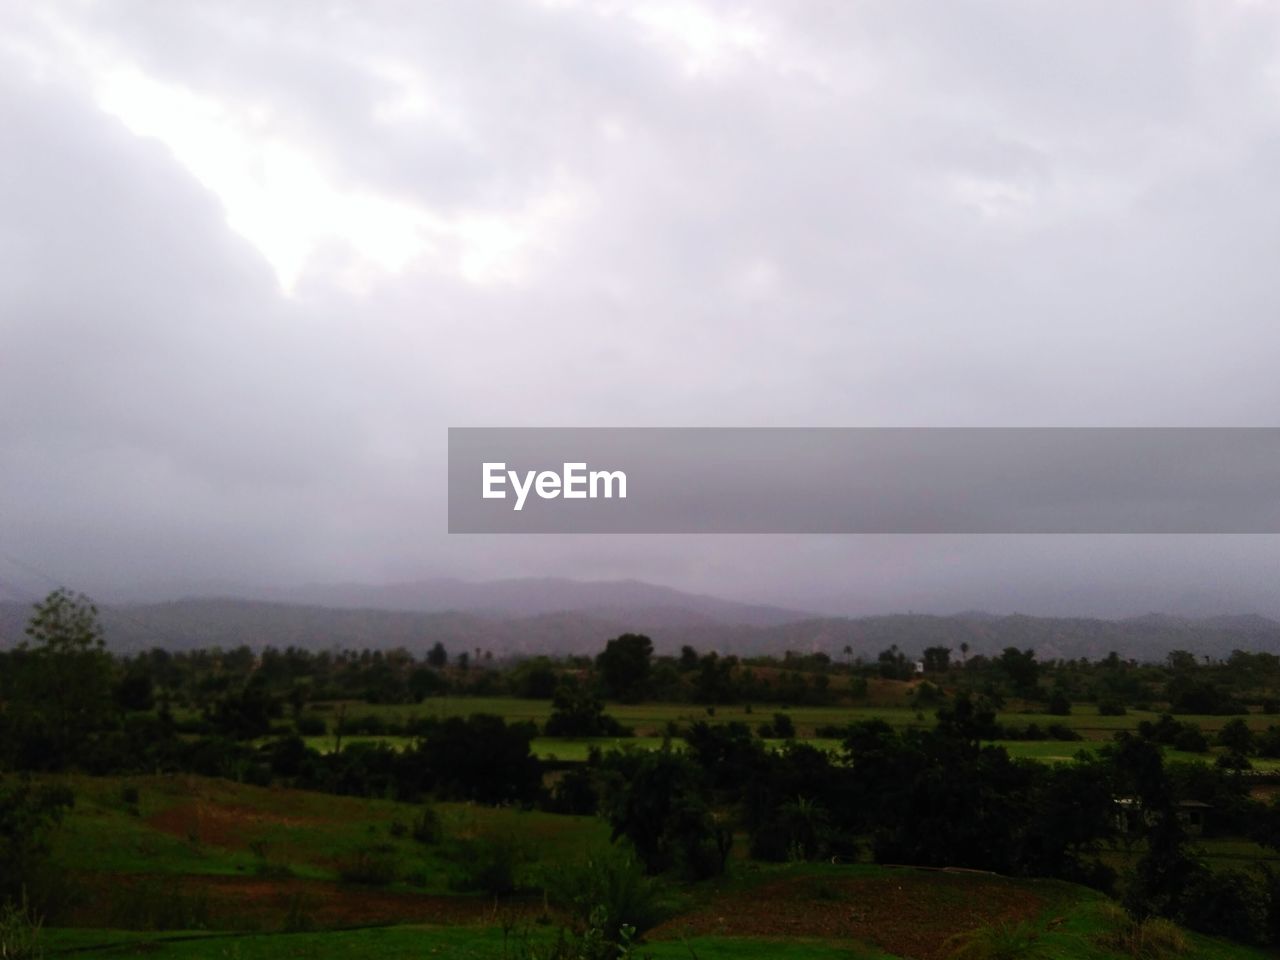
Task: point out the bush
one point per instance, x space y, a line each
1227 903
1002 941
781 728
587 942
28 815
613 891
1190 739
1268 742
20 932
1151 939
489 864
574 793
427 828
1111 708
1059 732
1233 761
311 726
927 695
1237 737
481 758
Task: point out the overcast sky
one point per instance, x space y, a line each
256 258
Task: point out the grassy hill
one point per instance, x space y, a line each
187 867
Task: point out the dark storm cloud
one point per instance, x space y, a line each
963 214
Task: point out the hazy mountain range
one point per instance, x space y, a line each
567 616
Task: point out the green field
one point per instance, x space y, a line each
183 866
651 720
201 868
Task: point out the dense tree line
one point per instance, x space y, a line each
941 797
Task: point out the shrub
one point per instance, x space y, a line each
1111 708
612 890
481 758
1237 737
20 932
927 695
1151 939
783 728
1002 941
574 793
578 712
1060 732
1268 742
489 864
311 726
587 942
427 827
1233 761
1190 739
28 815
1227 903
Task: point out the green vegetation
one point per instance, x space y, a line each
277 803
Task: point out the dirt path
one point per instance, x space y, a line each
911 913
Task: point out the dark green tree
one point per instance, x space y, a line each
27 815
1164 872
937 659
577 712
624 667
1021 668
65 693
1237 737
659 803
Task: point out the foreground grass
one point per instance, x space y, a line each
164 838
396 943
786 911
195 826
1073 934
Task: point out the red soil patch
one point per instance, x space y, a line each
256 903
911 913
218 824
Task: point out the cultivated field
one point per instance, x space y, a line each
188 867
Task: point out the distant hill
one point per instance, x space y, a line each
566 616
615 599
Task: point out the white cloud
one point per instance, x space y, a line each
604 212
